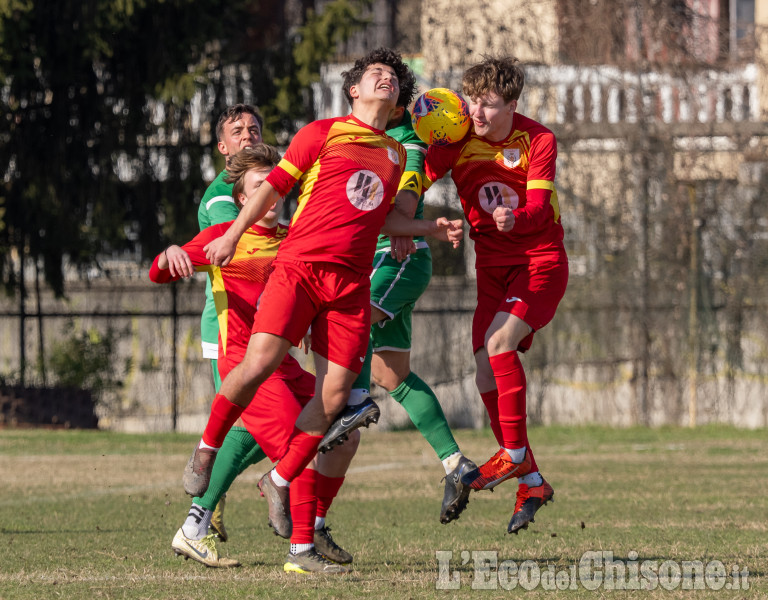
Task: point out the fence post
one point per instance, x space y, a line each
22 314
174 357
693 310
40 327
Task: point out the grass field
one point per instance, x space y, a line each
91 515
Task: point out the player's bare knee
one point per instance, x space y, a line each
258 366
390 369
388 380
254 373
494 342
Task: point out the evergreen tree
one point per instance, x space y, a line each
101 144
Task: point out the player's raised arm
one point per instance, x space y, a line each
221 250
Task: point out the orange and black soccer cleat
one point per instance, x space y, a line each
498 468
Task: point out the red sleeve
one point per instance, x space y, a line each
439 160
539 209
302 153
159 275
195 250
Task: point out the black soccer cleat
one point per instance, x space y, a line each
456 495
351 418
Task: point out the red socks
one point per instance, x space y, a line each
304 507
302 448
506 405
326 489
491 401
223 415
510 381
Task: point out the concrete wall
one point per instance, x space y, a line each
564 386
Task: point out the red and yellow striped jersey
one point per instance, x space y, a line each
349 174
518 172
237 286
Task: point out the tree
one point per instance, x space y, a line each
100 144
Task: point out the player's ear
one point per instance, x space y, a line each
222 148
353 91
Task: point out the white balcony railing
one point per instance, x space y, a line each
606 94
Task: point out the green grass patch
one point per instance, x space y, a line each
92 514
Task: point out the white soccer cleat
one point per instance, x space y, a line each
203 551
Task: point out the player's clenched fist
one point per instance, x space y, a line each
504 217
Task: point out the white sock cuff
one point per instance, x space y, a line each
296 548
516 455
451 462
532 479
204 445
357 396
278 480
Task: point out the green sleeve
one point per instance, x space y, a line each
222 209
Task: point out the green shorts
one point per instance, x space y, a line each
395 288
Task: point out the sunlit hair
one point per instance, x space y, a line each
405 77
233 113
503 76
260 156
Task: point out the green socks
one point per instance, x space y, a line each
363 381
238 452
421 404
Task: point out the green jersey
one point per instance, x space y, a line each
217 206
416 152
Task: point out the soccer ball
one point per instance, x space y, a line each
440 117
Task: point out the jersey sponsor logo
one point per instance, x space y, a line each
511 157
512 299
494 194
365 190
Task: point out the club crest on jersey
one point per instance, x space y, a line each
365 190
393 156
494 194
511 157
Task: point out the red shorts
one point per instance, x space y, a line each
272 414
333 299
289 368
530 292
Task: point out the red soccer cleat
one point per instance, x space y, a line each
529 500
498 468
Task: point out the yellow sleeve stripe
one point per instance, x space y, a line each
541 184
290 169
411 180
426 183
